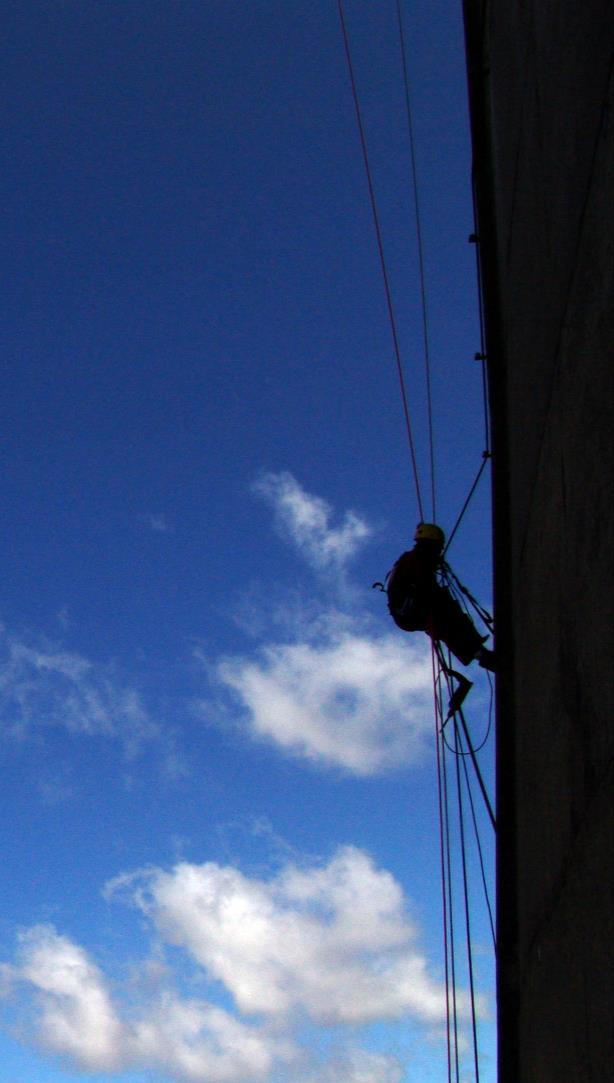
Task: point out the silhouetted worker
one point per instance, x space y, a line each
417 602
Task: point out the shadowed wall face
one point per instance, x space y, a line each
543 80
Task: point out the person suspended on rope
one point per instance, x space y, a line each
417 601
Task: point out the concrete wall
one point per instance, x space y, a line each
541 90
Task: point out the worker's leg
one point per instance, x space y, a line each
452 626
486 659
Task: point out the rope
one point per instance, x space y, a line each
471 750
475 238
380 247
458 751
478 773
453 583
476 748
452 1023
447 881
442 854
451 915
441 677
425 323
485 457
461 823
482 357
480 854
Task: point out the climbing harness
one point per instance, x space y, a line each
408 605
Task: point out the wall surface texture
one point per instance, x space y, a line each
541 91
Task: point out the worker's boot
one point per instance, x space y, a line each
486 659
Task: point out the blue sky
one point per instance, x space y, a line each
219 833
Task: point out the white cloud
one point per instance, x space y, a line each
333 942
76 1017
308 948
305 519
42 686
363 704
195 1040
331 693
188 1039
360 1066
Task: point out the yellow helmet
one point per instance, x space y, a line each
430 532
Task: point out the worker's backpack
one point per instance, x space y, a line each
407 610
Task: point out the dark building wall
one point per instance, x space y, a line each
541 91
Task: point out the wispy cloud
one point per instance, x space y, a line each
345 699
306 520
157 522
55 785
44 685
63 618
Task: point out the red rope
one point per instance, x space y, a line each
463 848
380 246
442 852
425 322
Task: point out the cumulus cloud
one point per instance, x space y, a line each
76 1014
48 686
311 946
188 1039
306 520
331 942
331 693
195 1040
363 704
360 1066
